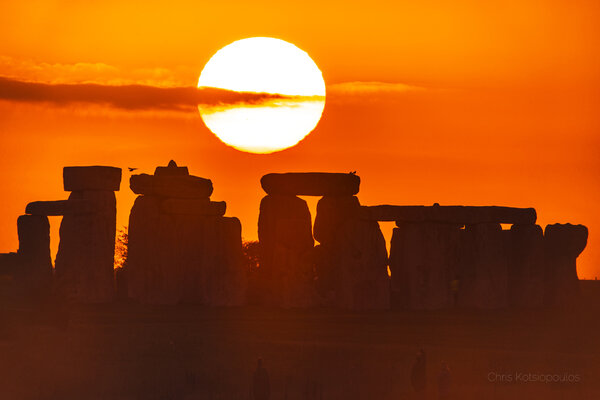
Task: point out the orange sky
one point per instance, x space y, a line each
506 110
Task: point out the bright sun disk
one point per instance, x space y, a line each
264 65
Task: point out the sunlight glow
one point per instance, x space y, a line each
264 65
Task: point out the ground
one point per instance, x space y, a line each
128 351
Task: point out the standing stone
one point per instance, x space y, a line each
226 276
562 245
483 271
526 266
34 272
286 247
85 258
332 213
362 275
423 262
351 260
148 277
181 248
164 264
326 273
207 264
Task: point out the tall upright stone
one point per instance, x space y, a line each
526 266
562 245
34 270
147 253
181 247
483 272
85 258
351 260
363 282
286 248
424 260
226 276
348 269
332 213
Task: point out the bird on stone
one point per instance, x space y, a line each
353 173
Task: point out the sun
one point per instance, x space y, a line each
264 65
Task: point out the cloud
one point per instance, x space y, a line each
362 88
99 73
152 97
368 92
135 97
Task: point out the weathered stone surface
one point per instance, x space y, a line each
34 272
211 260
562 245
59 207
462 215
34 235
483 273
171 170
423 261
172 186
161 253
174 258
332 212
193 207
351 260
326 271
91 178
311 184
360 255
227 279
286 245
85 259
150 278
526 266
